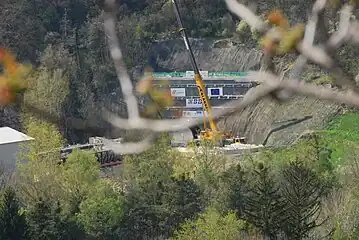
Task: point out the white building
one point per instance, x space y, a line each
12 143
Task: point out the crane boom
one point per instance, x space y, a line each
197 76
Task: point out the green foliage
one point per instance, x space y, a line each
245 33
236 182
37 165
46 221
314 152
49 84
264 205
185 198
41 177
156 201
159 212
211 225
242 26
342 137
46 138
101 213
346 217
12 220
323 79
302 192
78 176
345 127
204 165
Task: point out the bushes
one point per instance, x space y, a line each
163 193
211 225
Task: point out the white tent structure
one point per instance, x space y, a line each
12 143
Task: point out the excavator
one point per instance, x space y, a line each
213 133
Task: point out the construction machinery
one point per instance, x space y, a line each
212 133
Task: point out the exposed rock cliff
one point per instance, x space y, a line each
211 55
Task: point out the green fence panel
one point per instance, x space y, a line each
210 74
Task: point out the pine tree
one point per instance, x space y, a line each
12 221
42 221
46 223
184 198
264 205
302 191
235 178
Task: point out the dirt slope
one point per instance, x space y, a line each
256 121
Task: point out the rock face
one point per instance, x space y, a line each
258 120
211 55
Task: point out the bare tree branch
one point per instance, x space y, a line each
340 36
117 57
172 125
323 55
269 81
309 36
354 32
131 147
324 93
247 15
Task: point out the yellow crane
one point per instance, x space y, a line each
212 134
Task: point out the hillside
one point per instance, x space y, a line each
68 36
307 190
256 121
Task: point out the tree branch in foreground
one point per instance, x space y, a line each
269 82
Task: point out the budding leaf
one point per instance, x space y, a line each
291 38
162 97
150 110
277 18
144 85
12 80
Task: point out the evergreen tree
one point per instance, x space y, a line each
12 221
157 213
302 191
185 199
235 178
47 223
264 205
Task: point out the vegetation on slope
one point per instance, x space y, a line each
306 191
298 192
65 40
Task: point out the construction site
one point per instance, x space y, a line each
196 92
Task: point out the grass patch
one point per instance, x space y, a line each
342 135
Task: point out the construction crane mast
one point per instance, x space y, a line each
213 133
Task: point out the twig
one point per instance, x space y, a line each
167 125
354 32
117 57
247 15
324 93
131 147
269 81
309 35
